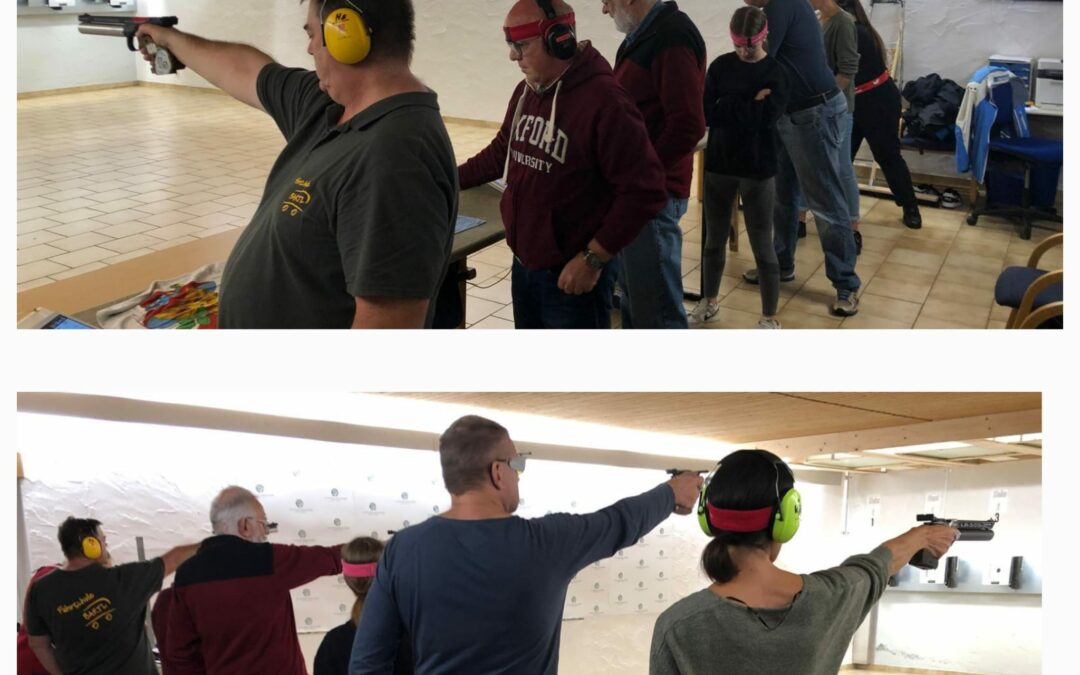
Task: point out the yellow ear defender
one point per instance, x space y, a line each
91 548
345 35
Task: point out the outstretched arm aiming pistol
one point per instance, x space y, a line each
967 530
233 68
935 538
163 62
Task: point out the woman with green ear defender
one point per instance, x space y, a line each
756 617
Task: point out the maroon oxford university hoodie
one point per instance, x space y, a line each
580 166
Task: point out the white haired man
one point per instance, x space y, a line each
231 609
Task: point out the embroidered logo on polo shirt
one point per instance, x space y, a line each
298 198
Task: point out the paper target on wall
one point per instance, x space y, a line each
873 510
999 501
932 503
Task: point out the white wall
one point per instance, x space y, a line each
461 54
956 37
960 631
53 54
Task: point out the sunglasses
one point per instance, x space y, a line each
515 463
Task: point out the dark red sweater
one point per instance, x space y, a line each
663 70
231 611
598 176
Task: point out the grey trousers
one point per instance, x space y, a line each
757 197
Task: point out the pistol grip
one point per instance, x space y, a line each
924 560
129 33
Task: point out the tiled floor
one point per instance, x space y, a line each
109 175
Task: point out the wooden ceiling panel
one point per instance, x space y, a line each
745 417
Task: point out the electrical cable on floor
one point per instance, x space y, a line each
495 283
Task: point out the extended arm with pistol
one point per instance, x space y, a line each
127 26
970 530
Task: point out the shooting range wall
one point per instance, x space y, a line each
52 54
922 625
461 54
157 482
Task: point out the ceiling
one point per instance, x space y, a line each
804 426
861 432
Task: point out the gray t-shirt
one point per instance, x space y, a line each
704 633
363 209
842 50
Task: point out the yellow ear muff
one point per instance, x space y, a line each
346 36
91 548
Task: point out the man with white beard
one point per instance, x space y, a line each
661 64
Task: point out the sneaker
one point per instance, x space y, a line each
750 276
950 199
858 242
702 312
768 323
912 217
925 189
802 229
847 303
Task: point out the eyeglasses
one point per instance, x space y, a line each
519 46
271 527
515 463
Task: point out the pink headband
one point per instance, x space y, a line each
751 42
355 570
739 521
533 29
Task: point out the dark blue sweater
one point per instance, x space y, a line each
795 41
481 597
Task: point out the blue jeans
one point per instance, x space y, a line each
810 145
847 173
538 302
650 272
846 166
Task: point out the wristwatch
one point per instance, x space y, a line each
592 260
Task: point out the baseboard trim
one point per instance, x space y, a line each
472 123
852 667
74 90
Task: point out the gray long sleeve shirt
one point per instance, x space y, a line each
842 50
706 634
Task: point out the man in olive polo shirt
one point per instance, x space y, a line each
357 218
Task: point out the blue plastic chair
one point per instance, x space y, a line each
1008 150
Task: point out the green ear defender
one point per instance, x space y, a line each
702 511
786 520
787 510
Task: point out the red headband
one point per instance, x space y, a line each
739 521
357 570
530 30
753 41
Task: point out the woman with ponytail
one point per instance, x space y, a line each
359 561
756 617
877 114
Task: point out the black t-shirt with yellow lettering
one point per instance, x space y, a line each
95 617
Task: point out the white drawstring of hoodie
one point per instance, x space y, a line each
549 133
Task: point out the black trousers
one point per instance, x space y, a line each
877 119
